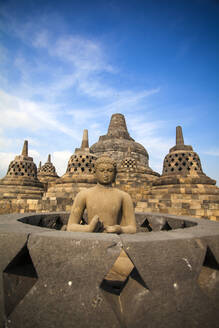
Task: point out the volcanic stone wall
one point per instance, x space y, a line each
53 279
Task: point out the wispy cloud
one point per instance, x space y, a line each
20 113
5 159
63 84
211 152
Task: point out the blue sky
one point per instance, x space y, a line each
69 65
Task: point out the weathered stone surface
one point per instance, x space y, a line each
108 209
166 285
47 172
78 264
183 188
117 141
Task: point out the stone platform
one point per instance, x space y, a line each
51 278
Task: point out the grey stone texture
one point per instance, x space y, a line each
117 141
53 278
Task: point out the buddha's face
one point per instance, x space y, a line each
105 173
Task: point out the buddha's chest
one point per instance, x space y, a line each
107 206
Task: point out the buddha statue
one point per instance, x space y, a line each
109 209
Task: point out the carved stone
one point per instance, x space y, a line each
171 277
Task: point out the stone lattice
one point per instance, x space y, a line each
182 163
81 164
117 141
20 186
23 168
47 172
128 163
82 161
48 168
183 188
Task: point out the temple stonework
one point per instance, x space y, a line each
182 189
20 186
47 172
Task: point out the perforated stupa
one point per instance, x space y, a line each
47 172
81 163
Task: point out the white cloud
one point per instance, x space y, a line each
5 159
60 67
20 113
60 160
211 152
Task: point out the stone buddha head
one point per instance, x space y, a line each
105 170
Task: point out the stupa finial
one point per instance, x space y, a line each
180 141
84 143
25 149
49 158
179 136
129 152
40 165
117 127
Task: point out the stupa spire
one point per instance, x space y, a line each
129 152
25 149
49 158
179 136
40 165
180 141
117 127
85 143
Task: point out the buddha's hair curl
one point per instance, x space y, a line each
105 160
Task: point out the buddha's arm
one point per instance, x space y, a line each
77 214
128 223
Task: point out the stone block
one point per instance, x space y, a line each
80 261
61 279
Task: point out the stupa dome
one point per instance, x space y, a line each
47 172
22 167
182 164
81 163
117 141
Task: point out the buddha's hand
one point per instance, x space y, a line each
95 224
113 229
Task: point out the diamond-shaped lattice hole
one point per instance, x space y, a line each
121 281
166 227
18 278
209 276
118 276
146 224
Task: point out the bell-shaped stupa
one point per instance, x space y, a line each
47 172
79 175
183 188
81 163
20 187
117 141
182 164
22 170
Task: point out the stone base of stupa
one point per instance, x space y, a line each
61 193
19 196
193 199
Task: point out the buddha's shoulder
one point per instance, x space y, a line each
121 193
